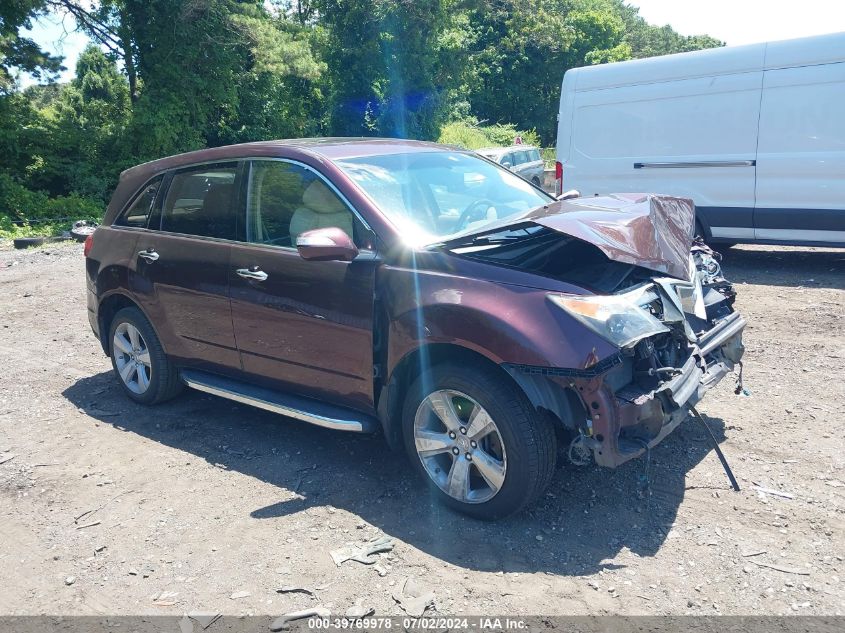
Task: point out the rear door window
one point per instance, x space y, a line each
138 212
201 201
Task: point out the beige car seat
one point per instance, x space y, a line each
321 208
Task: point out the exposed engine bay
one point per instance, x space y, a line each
657 294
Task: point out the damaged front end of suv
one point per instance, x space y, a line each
677 340
646 287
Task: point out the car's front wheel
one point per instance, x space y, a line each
145 373
478 441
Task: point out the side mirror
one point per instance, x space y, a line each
569 195
329 244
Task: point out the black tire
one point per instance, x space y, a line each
27 242
164 377
528 437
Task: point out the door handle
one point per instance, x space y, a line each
148 255
252 273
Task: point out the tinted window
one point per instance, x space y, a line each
139 211
284 200
200 201
534 154
520 157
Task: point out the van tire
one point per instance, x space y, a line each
529 440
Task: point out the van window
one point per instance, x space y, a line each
200 201
285 199
139 211
534 154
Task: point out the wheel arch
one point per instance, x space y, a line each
109 306
544 398
702 227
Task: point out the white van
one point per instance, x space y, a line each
755 135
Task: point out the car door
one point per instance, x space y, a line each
304 327
183 266
534 169
520 160
694 137
801 155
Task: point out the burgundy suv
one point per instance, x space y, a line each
418 290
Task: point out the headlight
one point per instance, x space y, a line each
616 318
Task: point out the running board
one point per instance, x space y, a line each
304 409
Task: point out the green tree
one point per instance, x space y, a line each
648 40
522 49
22 52
195 59
87 130
393 65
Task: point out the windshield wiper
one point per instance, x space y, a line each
492 237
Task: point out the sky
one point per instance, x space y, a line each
57 36
732 21
737 22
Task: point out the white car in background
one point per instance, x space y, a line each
754 135
523 160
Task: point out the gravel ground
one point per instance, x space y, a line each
202 504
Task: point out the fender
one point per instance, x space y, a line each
504 322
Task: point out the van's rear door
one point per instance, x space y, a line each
801 156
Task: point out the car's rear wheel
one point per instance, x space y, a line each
477 440
143 369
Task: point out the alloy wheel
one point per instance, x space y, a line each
132 358
460 446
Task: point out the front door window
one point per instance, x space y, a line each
285 199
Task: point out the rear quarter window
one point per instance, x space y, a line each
138 212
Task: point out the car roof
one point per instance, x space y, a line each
326 148
332 148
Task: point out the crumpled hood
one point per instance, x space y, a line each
648 230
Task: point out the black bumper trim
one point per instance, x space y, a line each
598 369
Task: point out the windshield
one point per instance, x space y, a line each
432 196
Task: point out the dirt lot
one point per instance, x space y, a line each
221 505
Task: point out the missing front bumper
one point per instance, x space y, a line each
629 421
622 422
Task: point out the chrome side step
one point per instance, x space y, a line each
304 409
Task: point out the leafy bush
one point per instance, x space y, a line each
471 135
24 212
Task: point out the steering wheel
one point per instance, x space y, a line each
478 208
